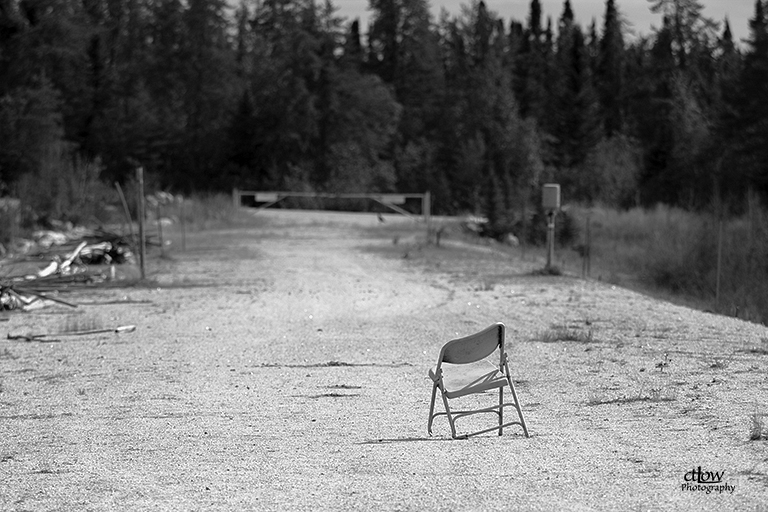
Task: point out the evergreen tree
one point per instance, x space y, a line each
610 75
353 48
405 52
383 38
652 114
576 130
729 181
531 67
753 112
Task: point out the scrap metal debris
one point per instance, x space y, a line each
52 337
52 261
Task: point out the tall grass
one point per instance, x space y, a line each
200 211
64 187
676 251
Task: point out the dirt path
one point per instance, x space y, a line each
283 366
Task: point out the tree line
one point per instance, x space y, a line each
286 94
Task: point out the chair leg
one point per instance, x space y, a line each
432 409
501 410
450 416
517 402
517 406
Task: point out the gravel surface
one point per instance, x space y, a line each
282 365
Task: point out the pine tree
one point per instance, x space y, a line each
577 130
753 111
532 67
353 48
405 52
653 117
210 93
610 75
383 38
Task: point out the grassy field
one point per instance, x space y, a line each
683 256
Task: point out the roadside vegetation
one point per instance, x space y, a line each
72 193
668 252
680 253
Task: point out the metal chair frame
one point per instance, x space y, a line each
471 349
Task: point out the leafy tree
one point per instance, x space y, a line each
689 28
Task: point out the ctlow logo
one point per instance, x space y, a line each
704 477
706 481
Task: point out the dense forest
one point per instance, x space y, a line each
286 94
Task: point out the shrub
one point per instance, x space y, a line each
566 228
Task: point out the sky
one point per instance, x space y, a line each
637 12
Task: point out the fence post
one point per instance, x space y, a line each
589 245
586 249
141 215
719 263
426 210
158 221
182 216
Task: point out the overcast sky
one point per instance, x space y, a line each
635 11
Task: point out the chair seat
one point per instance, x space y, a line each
464 382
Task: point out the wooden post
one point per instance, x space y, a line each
141 215
127 213
426 210
584 248
587 249
719 264
158 213
183 224
589 245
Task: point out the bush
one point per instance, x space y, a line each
566 228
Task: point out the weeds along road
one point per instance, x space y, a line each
281 365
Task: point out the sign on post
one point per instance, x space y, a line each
550 197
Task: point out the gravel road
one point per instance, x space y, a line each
282 364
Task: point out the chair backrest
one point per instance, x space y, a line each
474 347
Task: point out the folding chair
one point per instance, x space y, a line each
464 351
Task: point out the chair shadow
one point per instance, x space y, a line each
406 440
